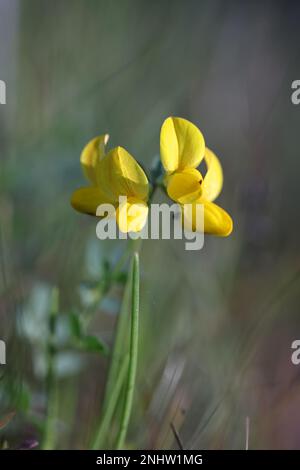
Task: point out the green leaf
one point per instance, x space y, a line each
75 325
85 342
121 277
93 344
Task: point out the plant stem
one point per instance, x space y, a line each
111 406
133 355
49 432
118 351
114 372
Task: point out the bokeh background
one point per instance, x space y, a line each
216 325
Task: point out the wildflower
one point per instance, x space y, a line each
112 175
182 148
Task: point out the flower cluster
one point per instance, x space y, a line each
116 173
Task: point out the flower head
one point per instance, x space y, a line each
182 148
112 175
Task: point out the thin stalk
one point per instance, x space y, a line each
133 354
118 349
52 392
111 406
114 374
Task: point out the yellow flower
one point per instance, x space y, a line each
182 149
112 175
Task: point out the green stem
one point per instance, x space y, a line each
111 406
115 364
52 405
118 348
117 353
133 357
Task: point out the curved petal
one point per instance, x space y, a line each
87 200
121 175
184 187
91 155
216 220
132 215
181 145
213 180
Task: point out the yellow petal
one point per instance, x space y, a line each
213 180
132 215
184 187
91 155
121 175
87 200
216 220
181 145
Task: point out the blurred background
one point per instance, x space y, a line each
216 325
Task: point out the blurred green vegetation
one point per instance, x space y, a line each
216 325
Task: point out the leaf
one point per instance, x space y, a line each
93 344
75 325
87 343
120 277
